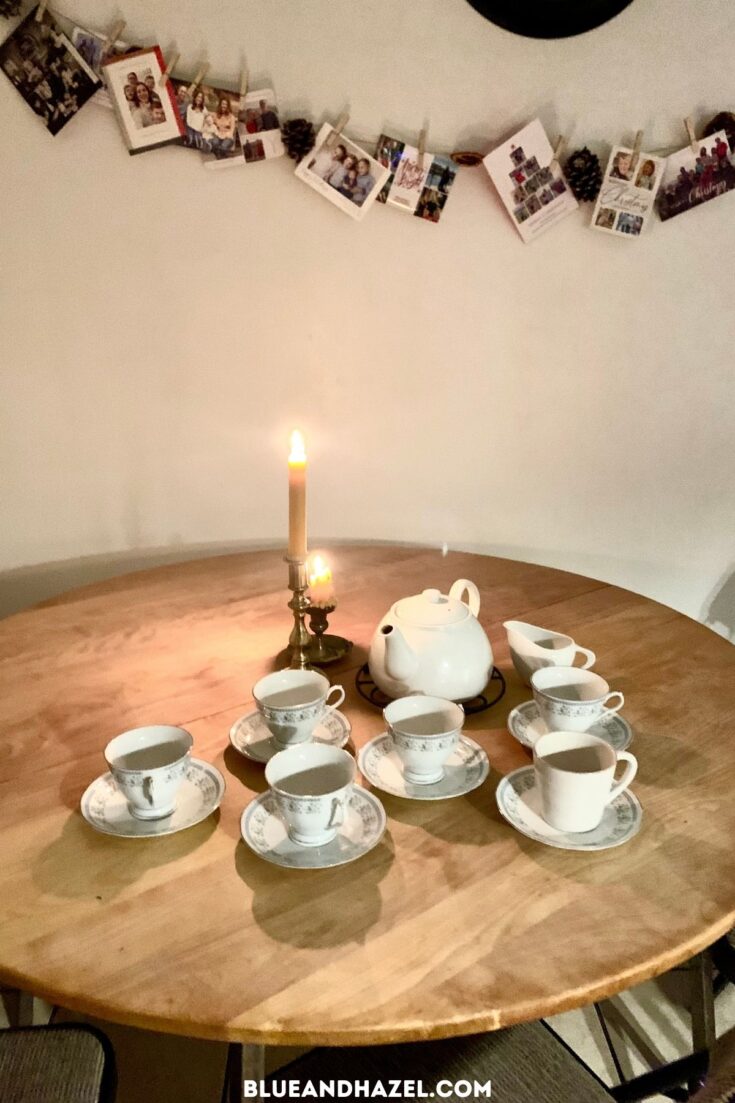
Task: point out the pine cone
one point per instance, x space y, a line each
298 138
584 175
9 7
724 121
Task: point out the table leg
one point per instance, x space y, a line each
703 1010
18 1007
244 1062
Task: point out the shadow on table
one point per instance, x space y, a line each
320 908
81 863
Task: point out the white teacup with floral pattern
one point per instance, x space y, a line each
572 699
425 731
293 702
148 766
311 785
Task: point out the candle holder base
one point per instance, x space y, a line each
300 639
330 649
323 647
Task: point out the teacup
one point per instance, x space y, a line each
532 648
149 765
572 699
311 785
292 703
425 731
575 772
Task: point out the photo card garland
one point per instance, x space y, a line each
143 99
694 177
343 173
417 184
625 201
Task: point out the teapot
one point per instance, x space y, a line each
433 643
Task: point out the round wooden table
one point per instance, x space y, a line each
453 924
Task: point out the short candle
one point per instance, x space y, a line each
321 589
297 497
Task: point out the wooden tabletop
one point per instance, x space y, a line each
453 924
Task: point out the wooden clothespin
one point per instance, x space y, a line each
113 36
636 150
691 134
168 70
341 123
243 83
561 141
422 146
40 11
200 75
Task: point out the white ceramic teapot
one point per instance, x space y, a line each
433 643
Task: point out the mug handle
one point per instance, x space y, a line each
630 771
473 594
335 704
337 814
591 657
616 708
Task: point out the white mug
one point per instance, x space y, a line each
149 765
425 731
572 699
575 772
311 785
293 702
532 648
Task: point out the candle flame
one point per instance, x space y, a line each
319 570
298 448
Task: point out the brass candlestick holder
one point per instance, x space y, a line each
299 641
324 648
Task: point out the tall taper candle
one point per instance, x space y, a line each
297 497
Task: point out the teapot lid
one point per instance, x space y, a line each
431 609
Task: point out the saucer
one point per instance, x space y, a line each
519 804
250 735
465 769
104 807
265 832
526 725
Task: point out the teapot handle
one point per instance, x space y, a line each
459 587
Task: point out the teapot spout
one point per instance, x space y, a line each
400 660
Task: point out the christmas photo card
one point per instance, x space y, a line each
343 173
692 178
259 127
144 103
625 201
209 116
420 189
533 190
48 72
95 50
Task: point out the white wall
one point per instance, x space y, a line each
163 326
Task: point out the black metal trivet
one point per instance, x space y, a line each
367 688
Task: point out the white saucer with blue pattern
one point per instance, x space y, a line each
465 769
105 808
265 833
519 803
250 735
526 724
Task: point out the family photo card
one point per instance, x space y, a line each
145 106
533 190
626 198
209 117
422 191
343 173
259 127
47 70
693 178
94 49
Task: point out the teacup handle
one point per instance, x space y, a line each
591 658
615 708
337 814
458 588
335 704
630 771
